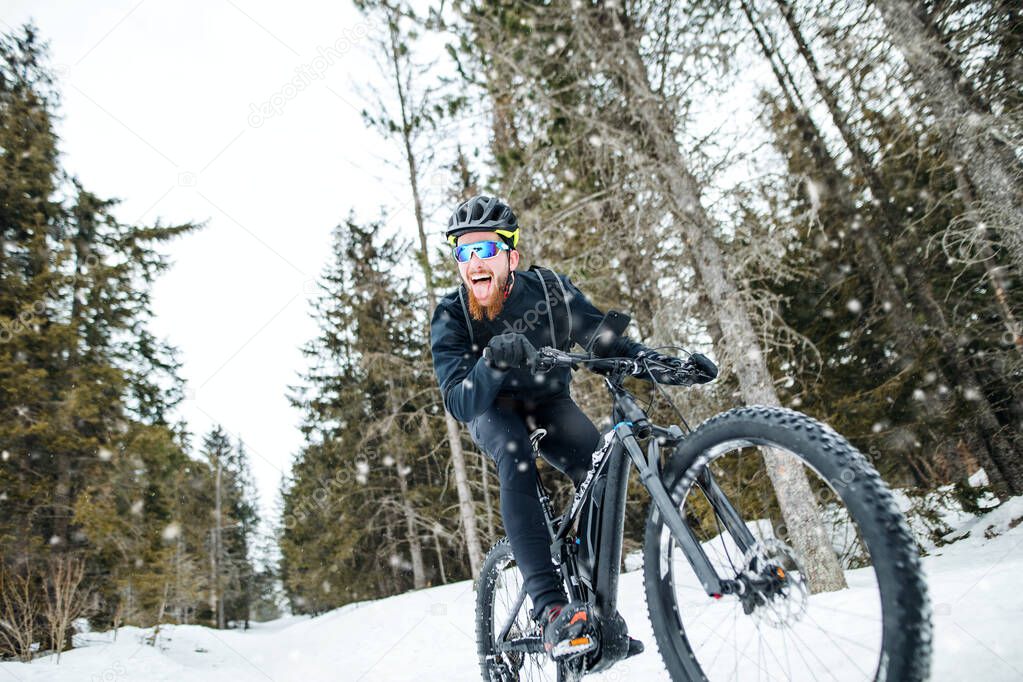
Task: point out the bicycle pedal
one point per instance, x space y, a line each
572 647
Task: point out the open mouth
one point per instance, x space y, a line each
482 286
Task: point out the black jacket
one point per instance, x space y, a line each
469 386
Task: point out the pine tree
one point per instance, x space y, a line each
365 489
91 470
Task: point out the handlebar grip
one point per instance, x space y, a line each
706 370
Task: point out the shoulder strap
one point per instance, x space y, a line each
550 314
564 299
468 318
539 269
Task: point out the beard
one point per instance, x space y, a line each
478 311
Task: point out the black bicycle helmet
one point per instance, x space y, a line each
484 214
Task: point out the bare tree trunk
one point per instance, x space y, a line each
216 560
487 504
996 273
213 571
466 509
440 555
795 497
996 452
885 289
118 617
889 298
970 134
414 545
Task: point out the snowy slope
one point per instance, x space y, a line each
428 635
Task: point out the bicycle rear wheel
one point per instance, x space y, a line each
497 601
788 622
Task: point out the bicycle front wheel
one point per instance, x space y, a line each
828 578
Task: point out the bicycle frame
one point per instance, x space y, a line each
621 440
612 524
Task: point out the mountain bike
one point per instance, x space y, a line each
772 549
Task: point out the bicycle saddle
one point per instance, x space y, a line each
535 437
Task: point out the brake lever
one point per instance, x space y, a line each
542 362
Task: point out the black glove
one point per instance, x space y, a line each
660 367
509 350
702 368
698 369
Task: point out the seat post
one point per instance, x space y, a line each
541 491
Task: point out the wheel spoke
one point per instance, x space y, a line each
777 623
503 598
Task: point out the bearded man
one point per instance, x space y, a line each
513 312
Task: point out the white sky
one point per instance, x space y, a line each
158 110
162 107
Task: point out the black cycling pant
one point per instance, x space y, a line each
502 432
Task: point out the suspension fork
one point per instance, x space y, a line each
651 479
740 533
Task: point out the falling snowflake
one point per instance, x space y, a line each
595 140
854 306
105 454
5 455
919 395
522 467
971 394
512 446
136 507
362 467
172 531
388 461
55 540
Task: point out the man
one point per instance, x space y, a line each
512 313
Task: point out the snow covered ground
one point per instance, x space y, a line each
976 593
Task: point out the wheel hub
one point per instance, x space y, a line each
773 589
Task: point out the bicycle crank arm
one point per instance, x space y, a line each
529 645
708 577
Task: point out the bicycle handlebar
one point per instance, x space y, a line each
697 369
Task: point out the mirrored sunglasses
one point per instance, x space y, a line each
486 249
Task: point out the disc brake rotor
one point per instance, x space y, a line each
776 593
